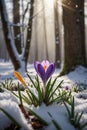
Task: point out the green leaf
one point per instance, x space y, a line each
72 108
39 90
20 97
67 109
54 122
53 100
79 118
76 117
31 80
52 85
47 92
29 95
56 99
25 99
54 82
14 94
82 126
11 118
56 125
55 89
34 97
38 117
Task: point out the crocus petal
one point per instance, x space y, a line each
35 65
19 77
66 88
44 69
41 72
45 62
50 71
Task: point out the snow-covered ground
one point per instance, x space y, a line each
78 76
9 103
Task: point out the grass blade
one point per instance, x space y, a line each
15 94
31 80
76 117
25 99
56 125
54 81
72 108
79 118
10 117
82 126
20 97
38 117
56 99
30 97
39 90
34 97
54 122
67 109
52 84
55 89
47 89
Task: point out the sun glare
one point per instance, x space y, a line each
59 3
49 3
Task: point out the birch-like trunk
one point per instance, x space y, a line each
8 36
19 61
29 33
16 21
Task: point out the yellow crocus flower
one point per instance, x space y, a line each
19 77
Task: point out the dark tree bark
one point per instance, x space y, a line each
74 37
18 62
29 33
16 20
8 36
57 38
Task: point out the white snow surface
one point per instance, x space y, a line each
12 108
10 104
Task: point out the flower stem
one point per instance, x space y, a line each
43 92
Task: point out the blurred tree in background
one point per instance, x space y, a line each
13 46
57 36
16 22
74 34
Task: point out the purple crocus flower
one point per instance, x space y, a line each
66 88
44 69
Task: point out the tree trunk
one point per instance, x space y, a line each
74 38
16 20
18 62
57 39
45 28
8 36
29 33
